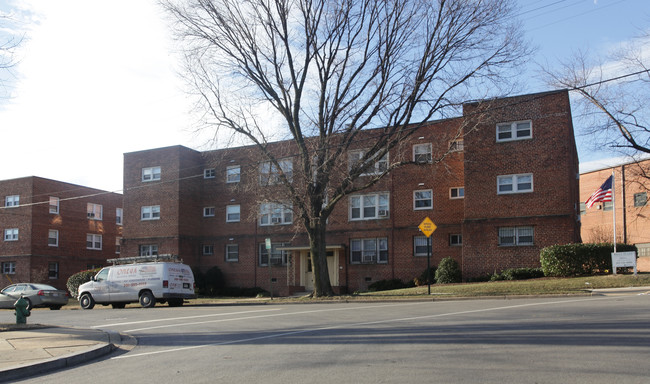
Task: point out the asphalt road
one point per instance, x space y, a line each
546 340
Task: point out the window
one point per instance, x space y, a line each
151 174
11 234
583 209
369 251
94 211
356 157
94 241
232 213
12 201
118 245
640 199
277 257
274 214
9 268
456 145
53 238
420 246
208 212
233 174
457 193
53 270
149 250
151 212
455 239
209 173
608 205
208 250
54 205
517 130
515 183
511 236
270 174
422 153
423 199
368 207
232 252
118 216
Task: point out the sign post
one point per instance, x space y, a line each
267 242
427 227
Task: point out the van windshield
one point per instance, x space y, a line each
102 275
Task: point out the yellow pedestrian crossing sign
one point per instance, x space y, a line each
427 226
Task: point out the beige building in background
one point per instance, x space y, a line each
631 185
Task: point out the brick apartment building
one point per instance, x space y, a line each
632 182
508 188
52 229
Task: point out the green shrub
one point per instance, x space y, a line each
79 278
579 259
518 274
423 279
448 271
209 283
387 285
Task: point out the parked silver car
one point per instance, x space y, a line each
37 295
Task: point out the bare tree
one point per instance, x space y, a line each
330 69
8 45
613 95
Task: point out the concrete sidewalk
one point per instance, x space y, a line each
31 349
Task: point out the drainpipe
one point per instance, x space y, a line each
624 204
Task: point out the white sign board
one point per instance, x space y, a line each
624 259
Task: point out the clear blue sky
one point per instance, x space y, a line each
97 79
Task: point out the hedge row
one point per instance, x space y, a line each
579 259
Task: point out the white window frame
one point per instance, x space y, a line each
516 182
417 197
118 245
151 174
518 236
369 251
54 205
148 250
209 173
208 211
358 204
456 193
233 174
378 166
94 211
150 212
8 267
275 255
208 249
640 199
233 213
12 201
457 145
513 129
455 239
232 253
53 234
53 270
275 214
423 153
94 241
12 234
119 216
269 174
420 242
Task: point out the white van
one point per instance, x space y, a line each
147 283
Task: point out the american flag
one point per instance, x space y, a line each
604 193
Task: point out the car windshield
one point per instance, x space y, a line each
8 289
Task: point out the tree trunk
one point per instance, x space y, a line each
318 253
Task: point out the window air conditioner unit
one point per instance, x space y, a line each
383 213
276 220
276 261
368 258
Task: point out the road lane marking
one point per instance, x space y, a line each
183 318
356 324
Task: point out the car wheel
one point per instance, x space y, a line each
86 301
147 300
118 305
55 307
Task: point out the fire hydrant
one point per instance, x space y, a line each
22 312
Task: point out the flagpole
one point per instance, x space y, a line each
614 206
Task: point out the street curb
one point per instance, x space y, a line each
55 363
